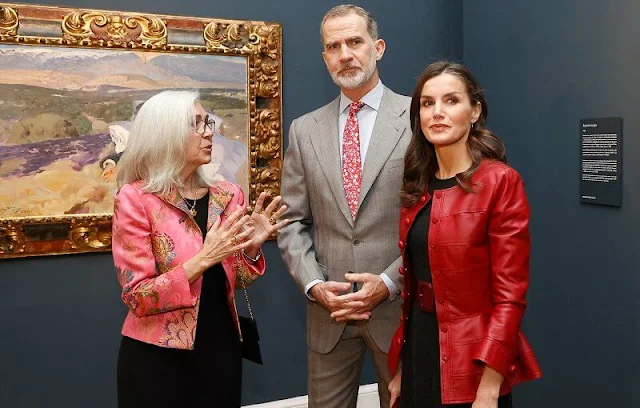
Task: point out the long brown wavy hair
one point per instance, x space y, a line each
420 163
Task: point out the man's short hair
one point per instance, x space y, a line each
346 9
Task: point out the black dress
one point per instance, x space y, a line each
421 353
210 375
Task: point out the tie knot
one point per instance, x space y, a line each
355 107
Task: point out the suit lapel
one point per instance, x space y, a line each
325 143
387 131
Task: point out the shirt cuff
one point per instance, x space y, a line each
312 284
393 289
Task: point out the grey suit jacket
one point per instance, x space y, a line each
322 241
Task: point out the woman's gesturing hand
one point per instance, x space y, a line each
265 221
224 238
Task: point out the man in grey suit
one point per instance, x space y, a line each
342 175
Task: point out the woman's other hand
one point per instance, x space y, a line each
394 387
489 389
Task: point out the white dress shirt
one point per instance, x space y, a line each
366 120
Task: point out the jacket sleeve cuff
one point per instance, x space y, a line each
494 355
169 291
308 287
393 289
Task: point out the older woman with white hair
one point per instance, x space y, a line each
180 244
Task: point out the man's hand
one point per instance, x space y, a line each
373 292
328 295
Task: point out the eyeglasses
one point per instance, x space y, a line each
201 125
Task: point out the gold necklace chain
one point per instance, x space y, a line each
192 207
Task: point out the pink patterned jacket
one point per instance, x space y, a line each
152 237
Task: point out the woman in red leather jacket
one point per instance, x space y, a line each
464 238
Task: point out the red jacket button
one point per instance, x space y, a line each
512 369
445 358
401 270
441 301
407 221
434 221
400 244
444 329
423 199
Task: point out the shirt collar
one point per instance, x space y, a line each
371 99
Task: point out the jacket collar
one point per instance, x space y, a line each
220 194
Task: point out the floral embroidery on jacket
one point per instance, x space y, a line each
219 199
116 207
159 215
180 330
189 225
163 249
125 276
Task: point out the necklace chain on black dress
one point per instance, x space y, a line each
192 207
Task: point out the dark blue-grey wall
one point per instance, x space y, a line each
61 316
545 65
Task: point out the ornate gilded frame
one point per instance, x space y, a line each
258 41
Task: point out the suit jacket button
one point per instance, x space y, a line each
400 244
407 221
445 358
423 199
356 242
444 329
512 369
401 270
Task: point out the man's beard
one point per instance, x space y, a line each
358 78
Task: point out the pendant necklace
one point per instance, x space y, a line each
192 207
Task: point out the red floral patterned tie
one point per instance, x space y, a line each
351 163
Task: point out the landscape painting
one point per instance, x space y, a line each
71 84
65 116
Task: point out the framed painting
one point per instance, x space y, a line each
71 82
